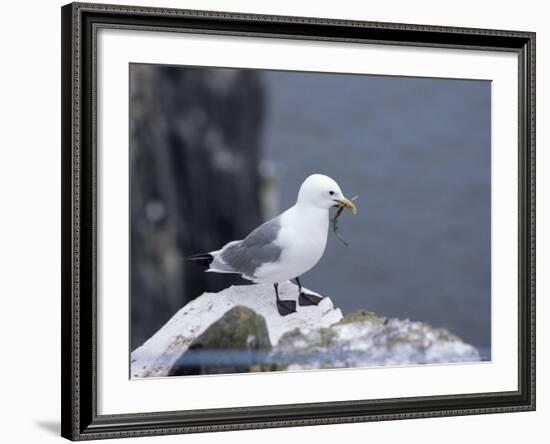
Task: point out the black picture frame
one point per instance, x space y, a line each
80 419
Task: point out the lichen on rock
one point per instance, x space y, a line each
363 339
361 315
235 343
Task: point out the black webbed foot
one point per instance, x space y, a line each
309 299
286 307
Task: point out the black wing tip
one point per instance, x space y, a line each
204 259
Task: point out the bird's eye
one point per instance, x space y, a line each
331 193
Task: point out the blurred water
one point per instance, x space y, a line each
417 152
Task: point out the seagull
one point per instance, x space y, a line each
286 246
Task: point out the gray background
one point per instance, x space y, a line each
417 152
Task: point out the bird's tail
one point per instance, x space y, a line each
203 259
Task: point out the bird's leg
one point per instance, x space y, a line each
307 298
284 307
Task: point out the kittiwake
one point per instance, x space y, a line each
286 246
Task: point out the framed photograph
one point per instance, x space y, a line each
281 221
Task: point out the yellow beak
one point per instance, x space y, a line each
347 204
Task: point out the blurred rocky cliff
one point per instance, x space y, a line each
194 154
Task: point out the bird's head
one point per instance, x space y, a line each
322 191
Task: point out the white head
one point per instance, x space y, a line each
322 191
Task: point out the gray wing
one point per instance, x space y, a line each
255 250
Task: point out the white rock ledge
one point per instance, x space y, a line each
157 355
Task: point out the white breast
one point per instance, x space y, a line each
303 238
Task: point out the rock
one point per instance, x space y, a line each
363 339
361 315
159 353
237 342
239 329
